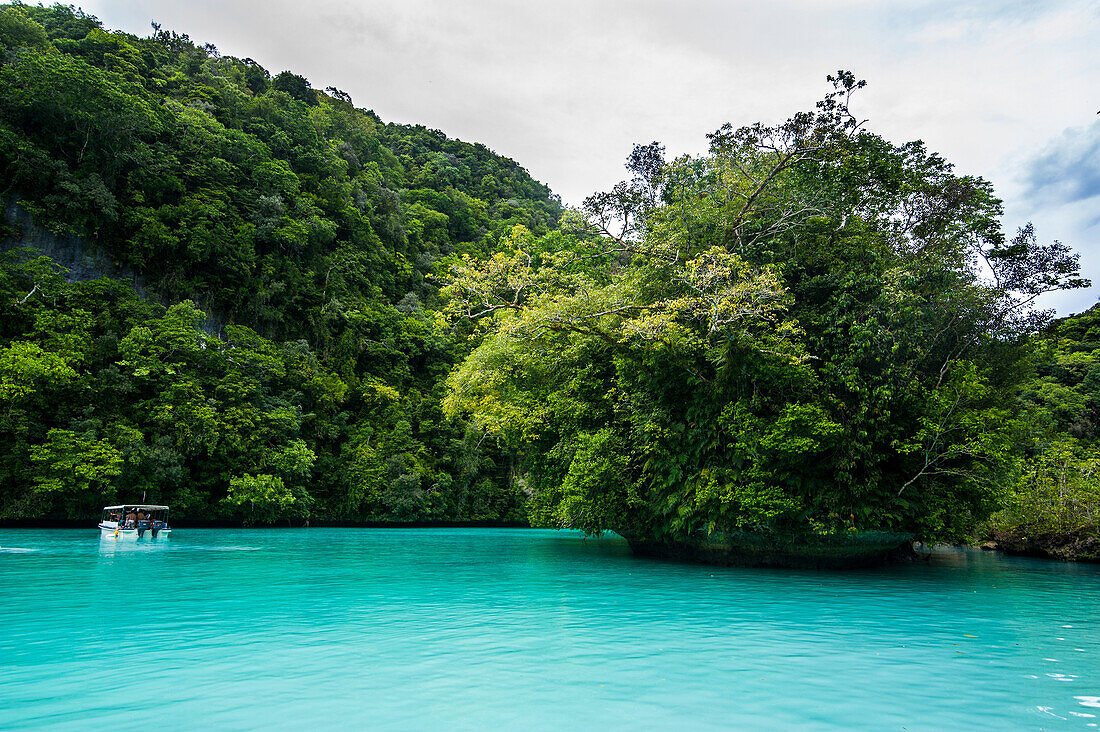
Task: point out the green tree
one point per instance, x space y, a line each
75 471
19 31
262 498
1056 494
787 336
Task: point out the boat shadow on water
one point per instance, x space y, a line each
110 545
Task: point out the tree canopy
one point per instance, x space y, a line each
807 330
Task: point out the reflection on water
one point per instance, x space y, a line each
533 629
109 545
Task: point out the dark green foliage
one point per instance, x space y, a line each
19 31
1057 493
285 359
807 332
297 87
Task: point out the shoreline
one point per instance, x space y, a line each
299 524
1079 545
1071 546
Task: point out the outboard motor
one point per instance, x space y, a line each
155 528
141 527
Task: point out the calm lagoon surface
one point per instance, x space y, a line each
489 628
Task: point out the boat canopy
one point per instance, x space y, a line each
143 506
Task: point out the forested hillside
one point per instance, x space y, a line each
268 345
1054 507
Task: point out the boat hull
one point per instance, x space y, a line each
109 532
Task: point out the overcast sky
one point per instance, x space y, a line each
1009 90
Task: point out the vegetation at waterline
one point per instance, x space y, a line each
1054 507
304 312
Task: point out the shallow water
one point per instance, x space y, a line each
484 628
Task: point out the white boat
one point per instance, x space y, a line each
134 521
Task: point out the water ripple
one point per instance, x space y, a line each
469 629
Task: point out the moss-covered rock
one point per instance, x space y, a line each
1079 545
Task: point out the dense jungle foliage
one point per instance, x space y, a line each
1057 493
278 351
809 331
302 312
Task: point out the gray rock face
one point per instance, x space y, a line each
82 260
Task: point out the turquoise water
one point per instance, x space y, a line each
481 628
